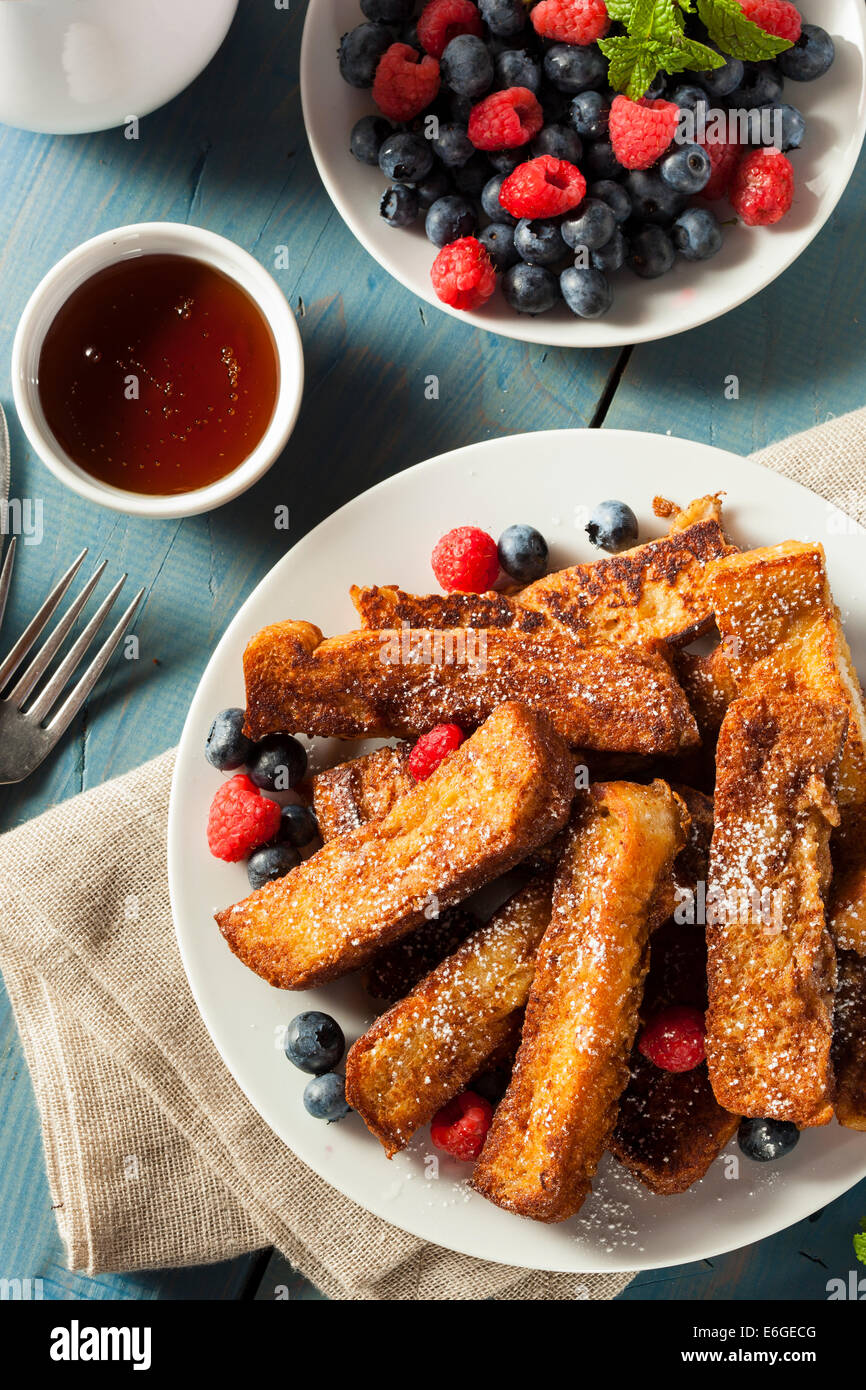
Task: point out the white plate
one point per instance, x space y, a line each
386 536
834 107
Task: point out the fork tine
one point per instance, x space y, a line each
6 576
46 698
41 660
73 702
29 636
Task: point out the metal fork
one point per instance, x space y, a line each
27 735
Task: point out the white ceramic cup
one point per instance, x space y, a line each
149 238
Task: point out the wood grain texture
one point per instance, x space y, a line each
230 154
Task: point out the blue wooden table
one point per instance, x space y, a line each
230 154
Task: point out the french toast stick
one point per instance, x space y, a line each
709 686
614 884
360 790
364 685
771 962
427 1047
652 592
847 911
849 1041
506 789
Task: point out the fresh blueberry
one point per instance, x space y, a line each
689 97
614 195
503 17
592 225
449 219
613 526
783 125
651 253
572 68
388 11
560 141
227 745
810 57
368 136
278 763
514 67
696 234
360 51
460 107
600 162
523 553
471 178
298 826
271 862
612 255
652 199
767 1140
687 169
586 291
399 205
405 157
436 185
490 201
325 1098
314 1042
506 161
467 67
453 146
498 241
409 34
761 86
530 289
538 241
720 82
590 112
657 88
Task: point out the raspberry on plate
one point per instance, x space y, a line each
405 83
724 156
440 21
543 187
571 21
463 274
461 1126
762 189
640 131
505 120
777 17
240 819
432 748
674 1038
466 561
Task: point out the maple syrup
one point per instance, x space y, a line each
158 375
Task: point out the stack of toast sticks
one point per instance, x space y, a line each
687 829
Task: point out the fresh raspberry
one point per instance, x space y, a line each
463 274
724 156
405 83
240 819
774 17
505 120
571 21
640 131
442 20
432 748
461 1126
674 1038
466 561
762 189
543 187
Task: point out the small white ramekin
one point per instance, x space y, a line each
148 238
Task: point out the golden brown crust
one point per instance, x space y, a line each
613 885
849 1041
427 1047
361 789
771 959
847 910
365 685
505 790
709 686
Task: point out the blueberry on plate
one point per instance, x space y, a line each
523 553
449 219
436 185
696 234
600 162
720 82
514 67
360 51
405 157
270 863
503 17
227 745
471 178
591 225
586 291
538 241
530 289
399 205
314 1042
498 241
785 126
560 142
277 763
388 11
652 199
761 86
651 253
687 169
325 1098
612 255
767 1140
490 201
572 68
811 56
616 197
298 826
368 136
590 112
613 526
505 161
688 97
467 67
452 145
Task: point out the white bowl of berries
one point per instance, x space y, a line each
580 173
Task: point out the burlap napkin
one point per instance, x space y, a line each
155 1157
